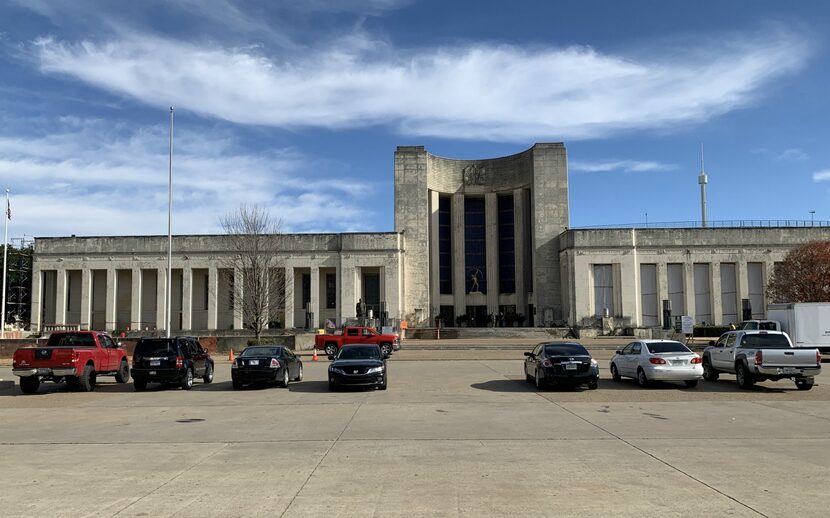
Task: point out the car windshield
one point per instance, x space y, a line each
261 351
765 341
71 340
159 347
667 347
566 350
359 353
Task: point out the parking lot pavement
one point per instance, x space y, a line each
466 437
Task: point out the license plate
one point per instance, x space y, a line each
253 362
571 366
43 371
155 363
788 370
152 373
678 362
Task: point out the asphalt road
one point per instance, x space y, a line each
456 437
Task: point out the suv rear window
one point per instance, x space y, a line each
154 347
764 341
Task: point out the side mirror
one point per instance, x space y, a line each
711 342
331 358
528 354
618 351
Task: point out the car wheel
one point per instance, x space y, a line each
331 350
187 381
123 374
527 376
691 383
29 384
284 382
86 381
615 374
140 385
805 384
208 377
300 374
538 381
385 349
332 387
743 377
709 372
236 385
642 380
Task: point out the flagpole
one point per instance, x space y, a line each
5 255
168 298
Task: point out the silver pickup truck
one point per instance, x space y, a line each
760 355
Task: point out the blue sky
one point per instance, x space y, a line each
298 105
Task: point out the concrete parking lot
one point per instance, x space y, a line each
459 436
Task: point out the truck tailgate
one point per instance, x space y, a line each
789 357
44 356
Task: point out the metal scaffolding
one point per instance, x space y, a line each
19 283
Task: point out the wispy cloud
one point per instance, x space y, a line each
93 177
622 166
822 176
471 91
794 154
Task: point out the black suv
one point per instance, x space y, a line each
170 360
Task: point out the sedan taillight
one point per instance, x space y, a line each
275 364
695 360
547 363
657 361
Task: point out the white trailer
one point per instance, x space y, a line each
807 323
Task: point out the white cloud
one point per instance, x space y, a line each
473 91
794 154
624 166
95 178
822 176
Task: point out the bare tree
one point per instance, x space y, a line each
251 238
804 275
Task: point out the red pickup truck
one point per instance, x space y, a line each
78 357
357 335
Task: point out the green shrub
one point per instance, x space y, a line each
261 341
709 331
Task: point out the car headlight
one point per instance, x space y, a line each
336 370
374 370
594 363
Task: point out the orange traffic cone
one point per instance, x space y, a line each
230 356
314 355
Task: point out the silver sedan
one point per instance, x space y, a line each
657 360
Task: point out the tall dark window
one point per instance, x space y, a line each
306 290
444 245
475 246
331 290
507 254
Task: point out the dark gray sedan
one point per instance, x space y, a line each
266 364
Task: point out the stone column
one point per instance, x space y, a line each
110 319
715 293
36 298
289 297
86 299
434 257
315 296
60 297
519 226
161 299
491 227
187 297
135 299
238 298
213 298
689 289
458 267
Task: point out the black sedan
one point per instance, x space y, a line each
561 363
358 365
266 363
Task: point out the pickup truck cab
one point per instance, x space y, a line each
78 357
760 355
357 335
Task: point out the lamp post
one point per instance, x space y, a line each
169 285
812 217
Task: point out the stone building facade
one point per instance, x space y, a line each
472 237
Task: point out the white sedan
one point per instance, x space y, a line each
657 360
